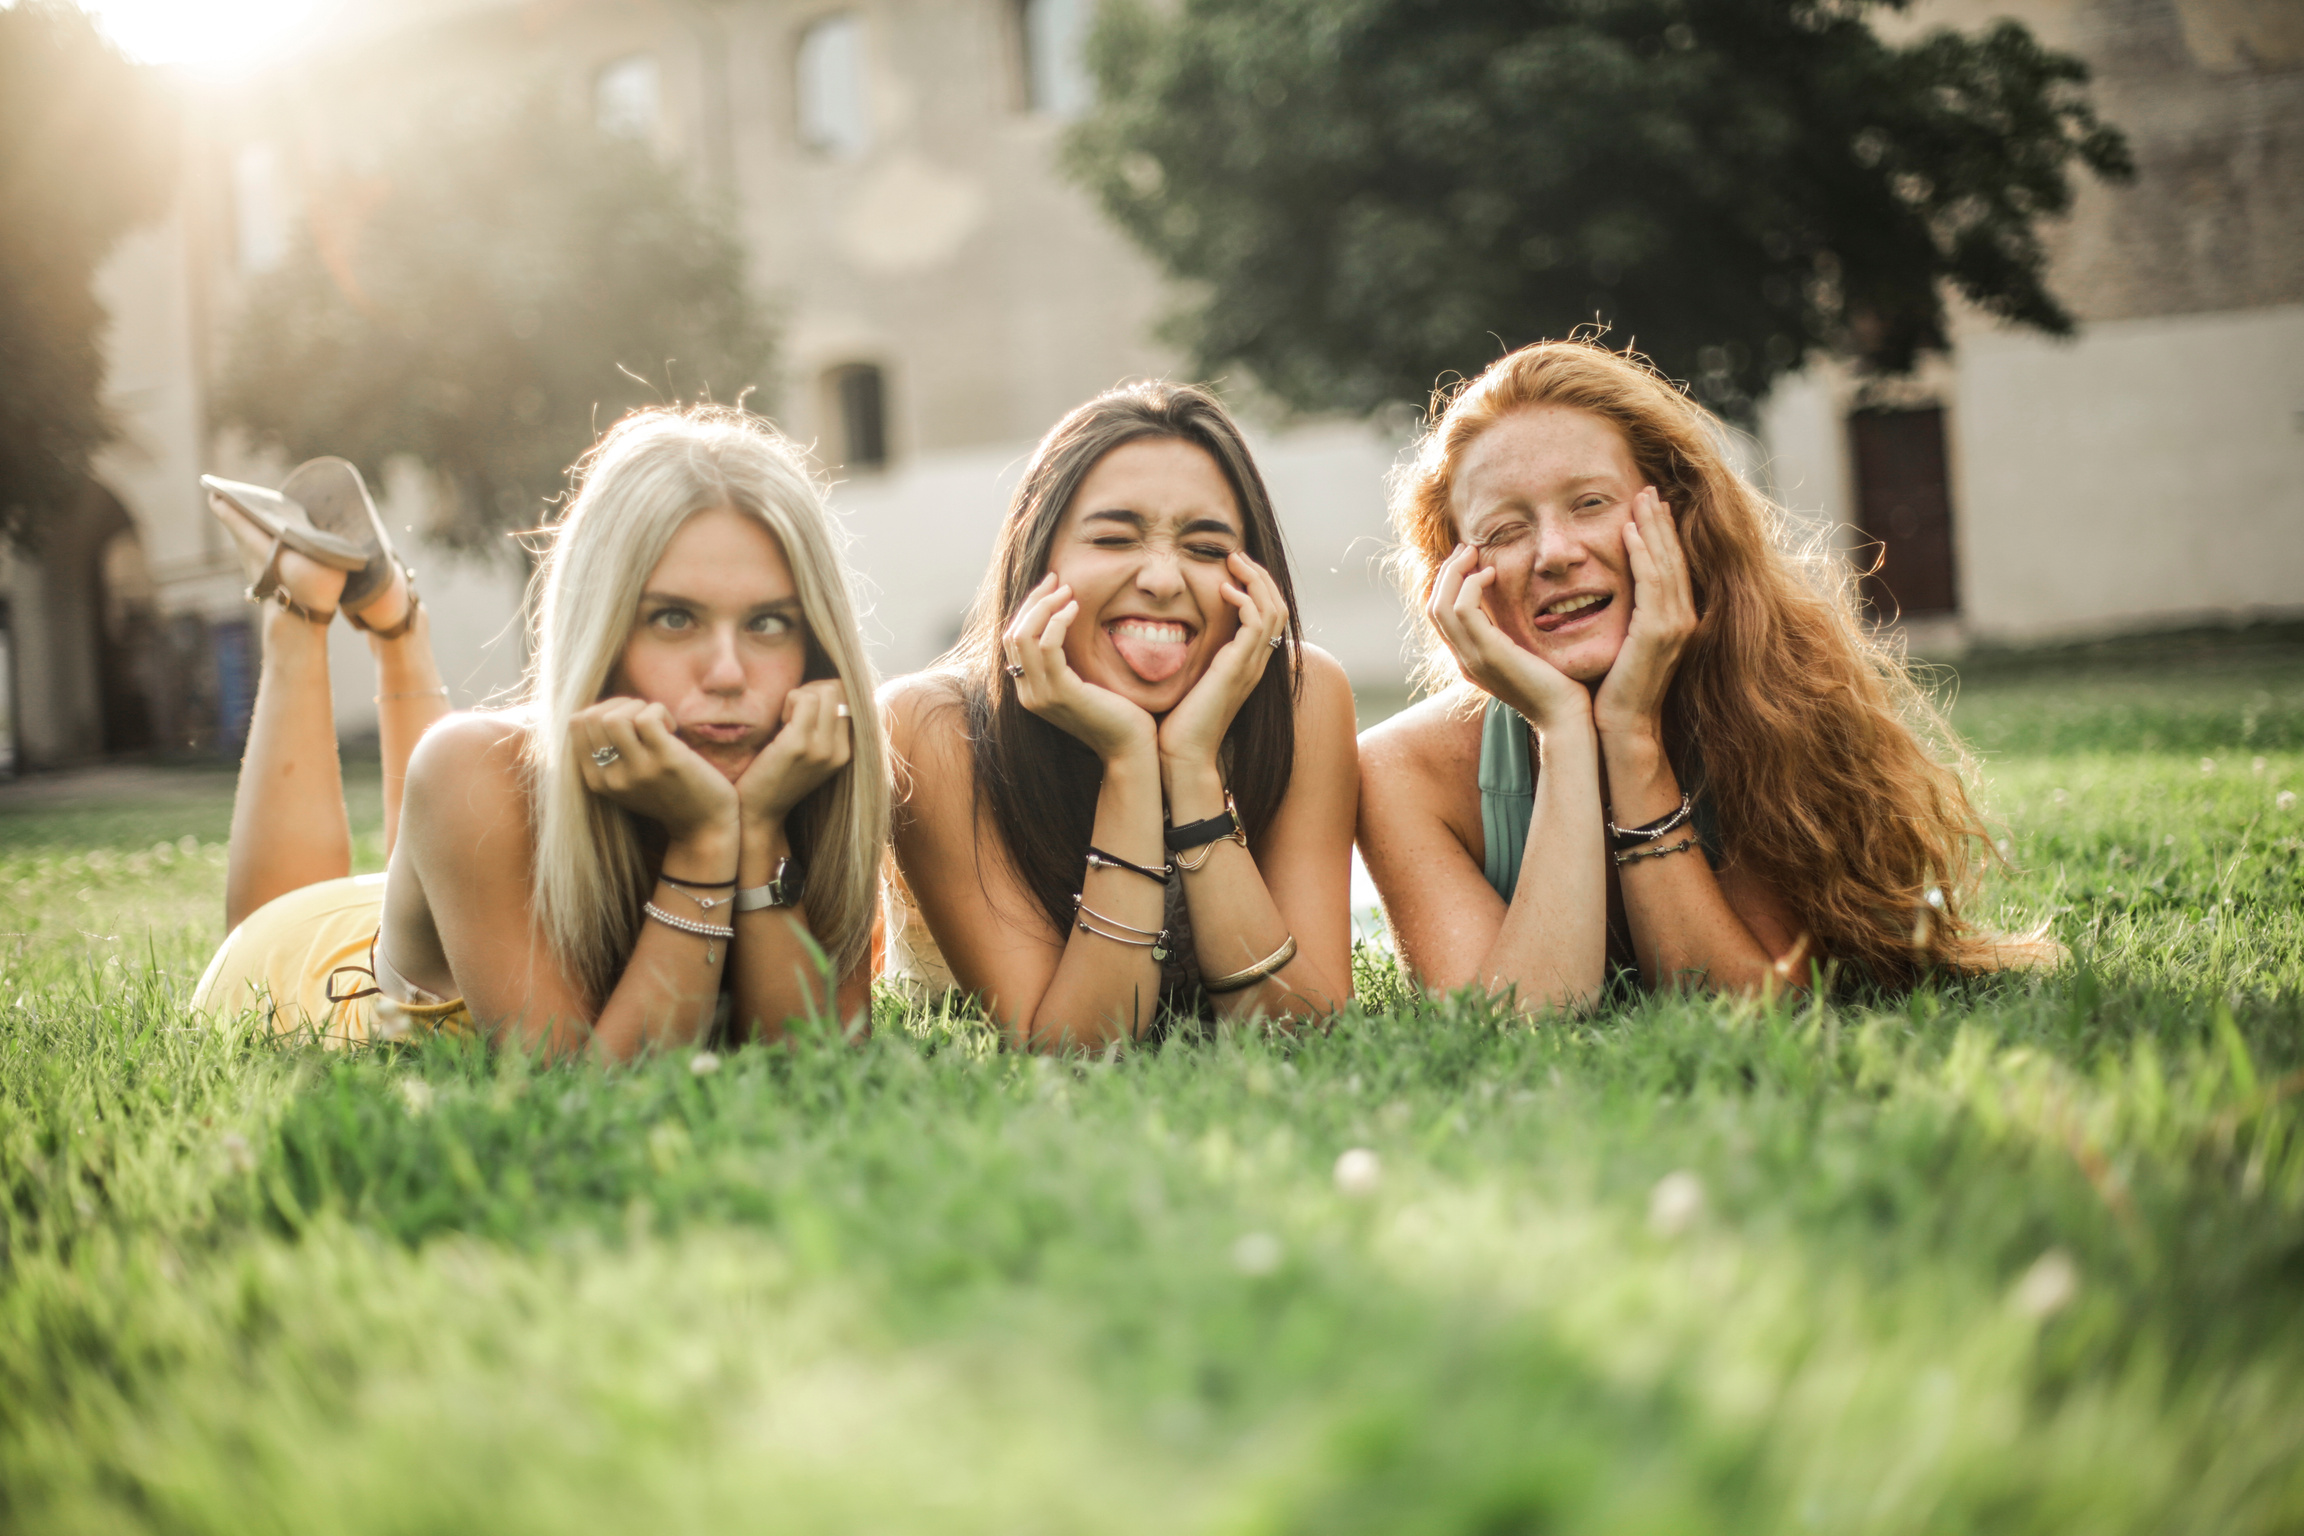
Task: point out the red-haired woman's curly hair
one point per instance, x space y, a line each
1831 774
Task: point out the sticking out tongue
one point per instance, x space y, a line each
1154 652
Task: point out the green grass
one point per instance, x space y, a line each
2010 1255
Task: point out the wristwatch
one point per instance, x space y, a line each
781 891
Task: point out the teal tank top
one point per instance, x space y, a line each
1508 799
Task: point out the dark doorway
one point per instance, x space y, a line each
124 640
859 395
1904 507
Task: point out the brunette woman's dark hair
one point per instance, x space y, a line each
1035 782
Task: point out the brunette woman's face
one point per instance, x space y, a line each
1143 547
719 639
1545 495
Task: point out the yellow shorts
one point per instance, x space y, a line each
302 960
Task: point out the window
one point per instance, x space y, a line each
1904 505
829 86
626 98
1054 34
259 207
858 396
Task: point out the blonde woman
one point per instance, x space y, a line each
682 823
1660 739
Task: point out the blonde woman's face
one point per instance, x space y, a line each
1143 547
719 639
1545 495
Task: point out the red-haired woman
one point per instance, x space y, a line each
1674 744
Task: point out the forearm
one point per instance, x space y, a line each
1235 922
671 982
1552 949
1682 927
1107 984
777 974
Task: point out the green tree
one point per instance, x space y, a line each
496 292
86 154
1362 196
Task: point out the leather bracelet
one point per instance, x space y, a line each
1241 980
1625 837
1633 855
1099 859
1194 834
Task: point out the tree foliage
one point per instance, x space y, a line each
1362 196
492 295
86 153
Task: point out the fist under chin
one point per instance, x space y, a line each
729 761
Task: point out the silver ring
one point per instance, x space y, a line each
603 756
1274 642
1014 669
839 711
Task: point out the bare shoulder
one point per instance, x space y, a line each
1325 694
1434 741
468 764
928 730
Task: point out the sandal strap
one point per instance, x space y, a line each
267 585
407 619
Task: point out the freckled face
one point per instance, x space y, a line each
1143 547
1544 495
719 639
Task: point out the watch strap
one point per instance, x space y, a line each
781 891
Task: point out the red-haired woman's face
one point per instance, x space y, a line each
1544 495
1143 547
720 638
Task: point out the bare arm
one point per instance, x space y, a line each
775 976
1728 933
1297 883
1548 947
1047 988
469 851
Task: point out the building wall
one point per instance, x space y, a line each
2151 469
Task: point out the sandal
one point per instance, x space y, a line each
338 499
290 526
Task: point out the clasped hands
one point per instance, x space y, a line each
1630 700
653 773
1114 727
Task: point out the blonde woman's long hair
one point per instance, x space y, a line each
645 478
1833 776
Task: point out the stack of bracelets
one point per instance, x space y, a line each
782 891
1629 844
1181 841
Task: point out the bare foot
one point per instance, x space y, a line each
311 584
388 607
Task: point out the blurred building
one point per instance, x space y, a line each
947 295
2150 471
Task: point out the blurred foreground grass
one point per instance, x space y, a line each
2010 1255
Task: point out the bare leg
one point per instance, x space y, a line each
409 694
288 823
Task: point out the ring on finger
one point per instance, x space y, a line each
603 756
1014 669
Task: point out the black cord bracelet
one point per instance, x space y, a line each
1099 859
728 884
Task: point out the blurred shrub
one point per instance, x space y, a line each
86 153
497 292
1363 196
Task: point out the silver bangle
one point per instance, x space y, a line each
710 933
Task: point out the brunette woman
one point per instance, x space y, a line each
1670 743
1130 783
687 811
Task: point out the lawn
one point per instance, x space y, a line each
2014 1255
